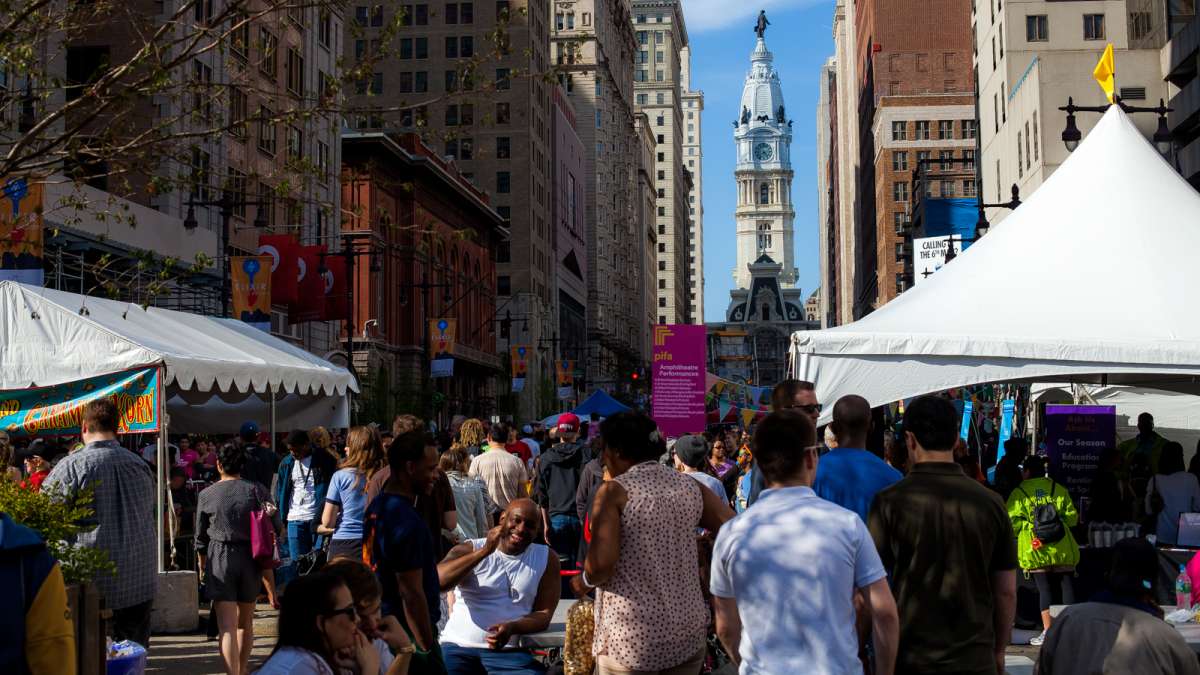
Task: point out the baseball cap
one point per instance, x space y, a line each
527 429
692 450
568 423
249 429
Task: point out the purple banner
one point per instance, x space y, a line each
678 382
1075 437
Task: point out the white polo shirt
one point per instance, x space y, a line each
792 563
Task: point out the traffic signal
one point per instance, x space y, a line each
634 377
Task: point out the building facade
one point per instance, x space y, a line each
594 49
425 239
647 199
826 180
1032 56
693 155
1179 59
658 83
470 78
845 196
570 232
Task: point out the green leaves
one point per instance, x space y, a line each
58 520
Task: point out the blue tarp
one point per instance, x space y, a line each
944 217
600 403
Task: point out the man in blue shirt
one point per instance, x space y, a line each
850 476
401 545
792 539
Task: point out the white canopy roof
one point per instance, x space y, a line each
46 339
1091 279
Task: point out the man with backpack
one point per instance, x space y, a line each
1042 514
554 488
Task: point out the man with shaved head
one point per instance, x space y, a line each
504 586
849 475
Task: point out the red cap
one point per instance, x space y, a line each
568 423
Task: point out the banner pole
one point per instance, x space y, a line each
160 465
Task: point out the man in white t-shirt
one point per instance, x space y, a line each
691 452
504 586
535 448
793 539
300 486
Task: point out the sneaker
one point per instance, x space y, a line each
1037 640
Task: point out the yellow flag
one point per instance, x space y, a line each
1105 73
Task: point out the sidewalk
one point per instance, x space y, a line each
194 654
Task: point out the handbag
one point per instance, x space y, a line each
262 538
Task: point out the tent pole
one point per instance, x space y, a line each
159 466
272 390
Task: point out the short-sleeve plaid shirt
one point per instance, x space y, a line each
124 505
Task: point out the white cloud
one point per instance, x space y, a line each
704 15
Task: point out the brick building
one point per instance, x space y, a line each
425 239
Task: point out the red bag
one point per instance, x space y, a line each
262 539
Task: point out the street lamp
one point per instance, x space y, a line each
225 205
1162 135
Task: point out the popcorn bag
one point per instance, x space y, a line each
577 648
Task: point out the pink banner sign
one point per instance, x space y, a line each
679 379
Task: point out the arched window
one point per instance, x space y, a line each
764 193
766 312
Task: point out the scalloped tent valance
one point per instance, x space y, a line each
51 337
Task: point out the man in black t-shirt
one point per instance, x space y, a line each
261 463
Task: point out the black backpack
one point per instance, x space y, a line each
1047 524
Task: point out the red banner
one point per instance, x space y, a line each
337 305
310 306
283 249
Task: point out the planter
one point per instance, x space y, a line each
89 619
176 603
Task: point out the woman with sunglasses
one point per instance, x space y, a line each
387 636
317 620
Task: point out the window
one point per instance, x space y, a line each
503 149
899 221
502 9
923 131
325 29
201 164
269 44
900 191
662 302
266 130
894 88
946 159
1036 28
922 63
660 139
1139 26
949 86
662 210
900 252
406 84
451 114
899 161
660 99
599 119
1001 30
203 11
452 47
451 80
1020 157
421 48
662 194
662 284
466 148
502 78
503 182
923 159
969 160
946 188
1003 105
899 131
323 161
641 99
996 111
238 110
466 46
202 95
1093 26
235 185
1035 136
421 83
406 48
945 130
658 37
968 128
659 76
662 156
587 18
502 113
1028 156
764 236
295 72
503 285
466 12
239 36
295 142
660 57
662 248
764 194
376 84
968 188
422 15
451 13
662 267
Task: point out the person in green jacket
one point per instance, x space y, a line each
1052 563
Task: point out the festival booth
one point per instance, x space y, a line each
59 350
1090 280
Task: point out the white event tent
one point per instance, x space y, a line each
50 337
1090 280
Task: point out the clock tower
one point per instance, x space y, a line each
764 173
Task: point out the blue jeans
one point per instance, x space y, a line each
564 538
473 661
300 538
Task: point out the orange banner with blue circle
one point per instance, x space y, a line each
251 286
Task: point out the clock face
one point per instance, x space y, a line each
762 152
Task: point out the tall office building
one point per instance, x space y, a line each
1031 56
594 47
693 156
658 77
469 76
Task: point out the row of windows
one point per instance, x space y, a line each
566 20
643 99
946 189
921 129
418 82
1037 26
1027 149
418 15
644 76
945 157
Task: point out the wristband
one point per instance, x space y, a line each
584 579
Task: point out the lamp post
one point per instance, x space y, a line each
225 205
1162 135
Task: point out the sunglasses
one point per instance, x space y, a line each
348 610
808 408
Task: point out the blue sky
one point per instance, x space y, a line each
722 37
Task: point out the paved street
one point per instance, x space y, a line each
195 654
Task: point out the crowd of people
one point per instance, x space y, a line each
783 550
